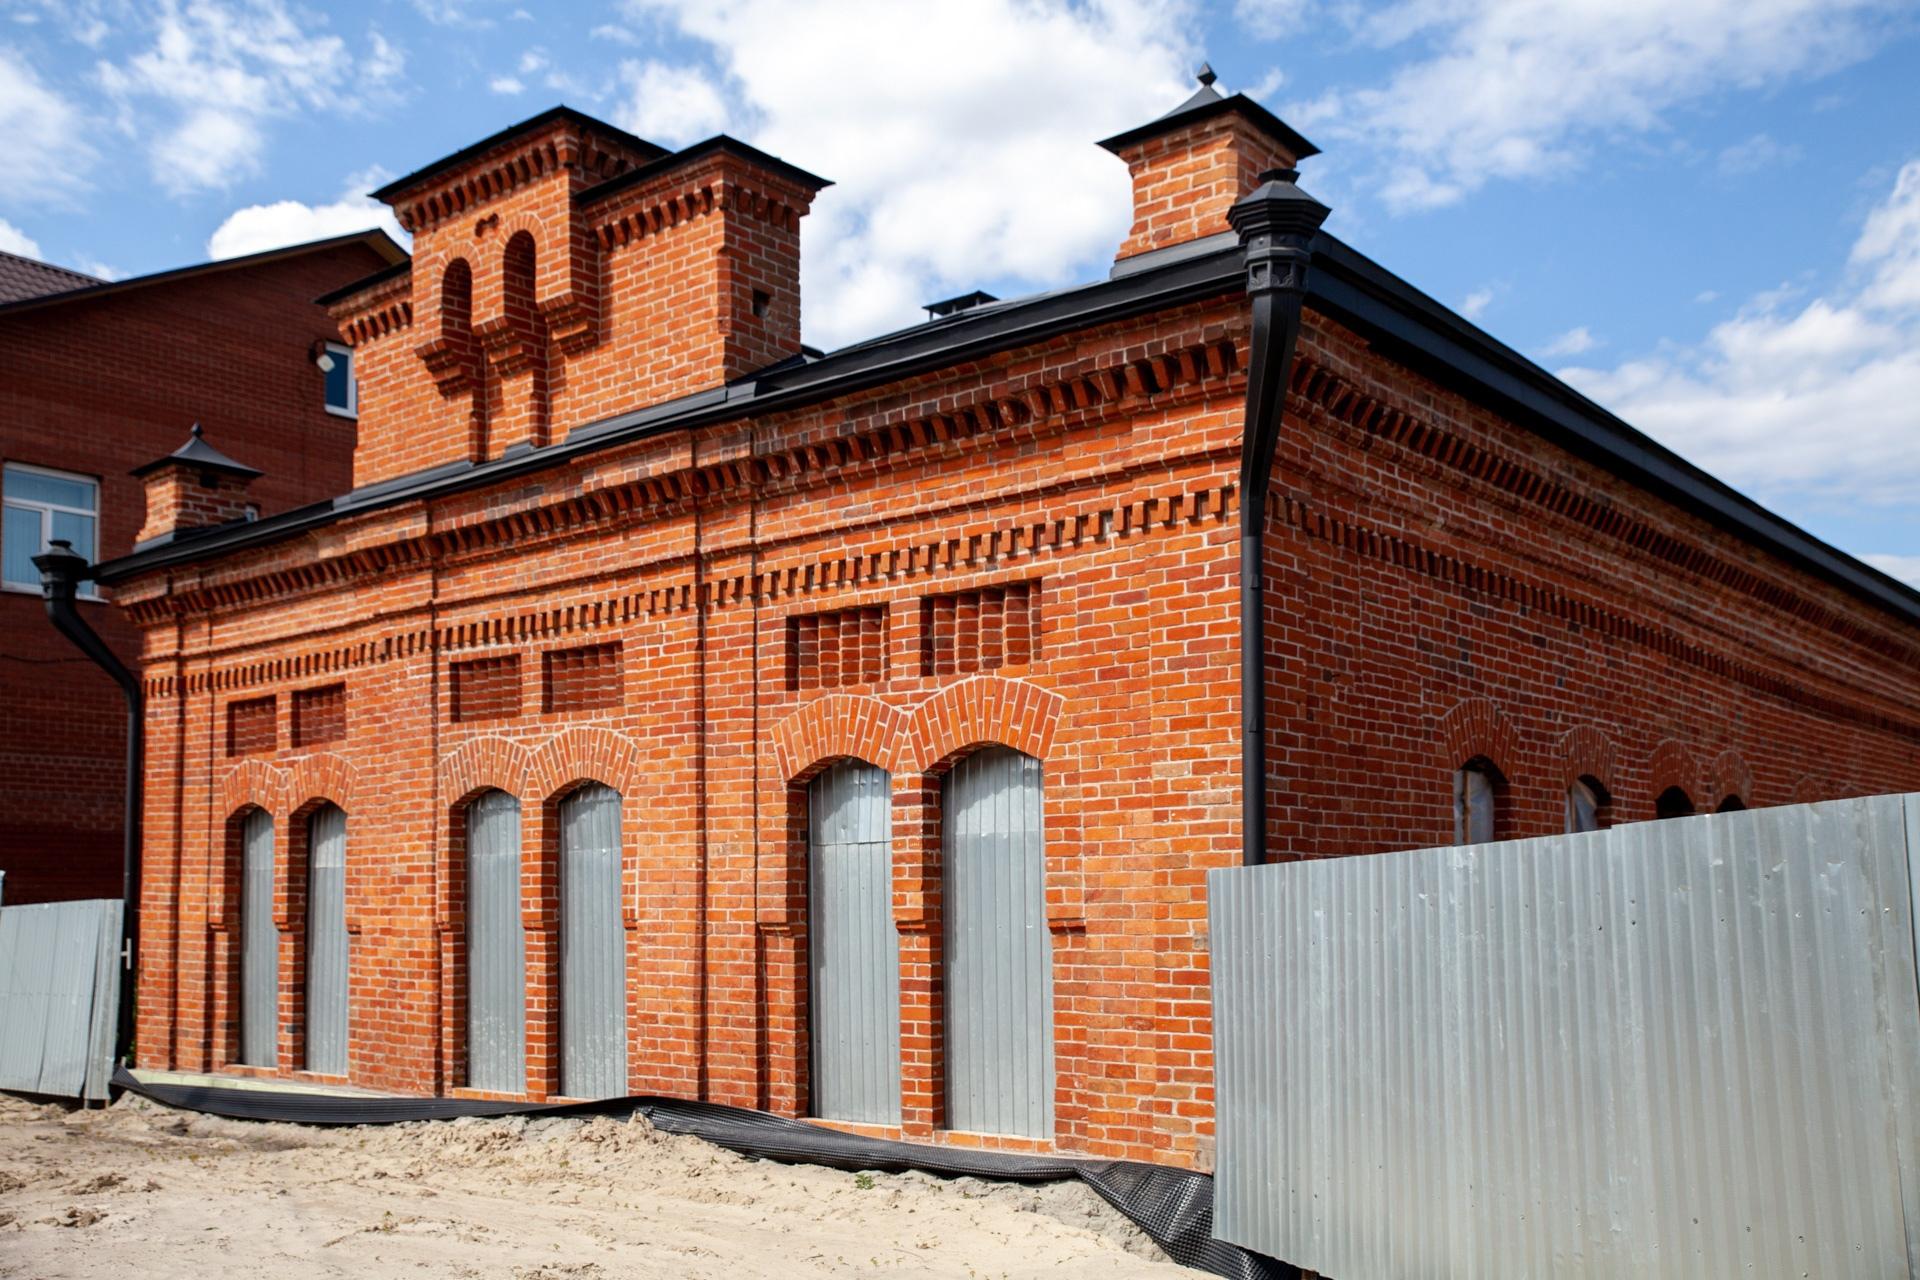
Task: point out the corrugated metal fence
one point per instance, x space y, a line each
59 996
1674 1049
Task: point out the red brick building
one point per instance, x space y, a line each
735 708
97 378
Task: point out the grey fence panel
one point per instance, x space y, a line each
59 991
496 947
593 947
854 950
259 945
999 955
327 957
1674 1049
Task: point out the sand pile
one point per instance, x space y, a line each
138 1189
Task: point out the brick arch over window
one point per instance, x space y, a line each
1672 765
837 726
325 776
1728 776
584 754
1476 728
252 784
982 710
1585 752
482 764
1810 788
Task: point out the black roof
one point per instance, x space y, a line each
719 142
1206 103
959 303
399 268
508 134
197 453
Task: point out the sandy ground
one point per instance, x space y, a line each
141 1190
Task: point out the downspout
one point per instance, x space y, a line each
1276 222
61 572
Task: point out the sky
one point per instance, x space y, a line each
1704 214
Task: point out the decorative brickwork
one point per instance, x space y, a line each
971 631
486 688
251 727
838 648
582 679
319 716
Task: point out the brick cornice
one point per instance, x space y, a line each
511 165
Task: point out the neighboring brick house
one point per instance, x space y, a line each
97 378
669 708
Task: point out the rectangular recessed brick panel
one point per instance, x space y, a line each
968 631
486 688
251 728
319 715
833 650
582 679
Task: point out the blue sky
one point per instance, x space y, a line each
1703 213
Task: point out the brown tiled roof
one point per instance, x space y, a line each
25 278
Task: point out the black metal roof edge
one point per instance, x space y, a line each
508 134
1404 322
381 276
699 150
914 350
1412 327
373 237
1265 120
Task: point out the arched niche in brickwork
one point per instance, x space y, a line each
578 755
1729 778
484 764
252 784
839 726
1475 728
323 776
1586 752
982 711
308 784
1673 765
1811 788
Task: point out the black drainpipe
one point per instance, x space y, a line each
61 573
1276 222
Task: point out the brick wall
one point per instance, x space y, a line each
99 387
1054 568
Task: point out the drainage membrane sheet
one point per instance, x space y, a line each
1173 1206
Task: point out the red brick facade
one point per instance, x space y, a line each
98 383
1035 547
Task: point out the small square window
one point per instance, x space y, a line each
343 393
41 505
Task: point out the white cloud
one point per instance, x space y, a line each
961 136
1475 304
506 85
14 240
1905 568
670 105
216 71
1571 343
46 148
1502 89
1270 19
98 269
1765 399
1755 154
260 227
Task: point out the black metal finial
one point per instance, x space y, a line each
1205 75
194 431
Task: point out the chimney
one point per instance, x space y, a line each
194 487
565 272
1190 165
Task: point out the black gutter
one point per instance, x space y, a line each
1276 222
1344 284
61 572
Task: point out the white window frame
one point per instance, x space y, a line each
340 351
87 590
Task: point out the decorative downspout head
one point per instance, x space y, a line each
62 569
1276 222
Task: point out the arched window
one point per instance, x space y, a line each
593 946
853 949
259 945
456 304
1476 800
326 941
1730 803
496 946
1674 802
1586 804
999 954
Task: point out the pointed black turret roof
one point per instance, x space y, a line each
1207 102
196 452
